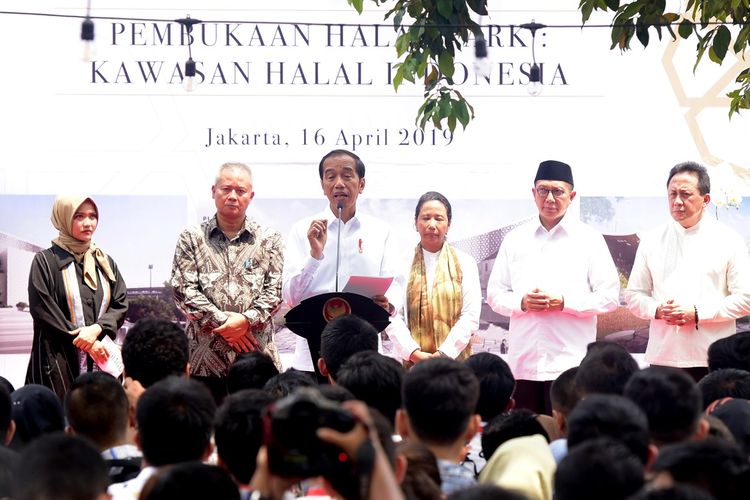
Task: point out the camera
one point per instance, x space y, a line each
294 450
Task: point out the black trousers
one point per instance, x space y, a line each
533 395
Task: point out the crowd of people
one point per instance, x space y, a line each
207 411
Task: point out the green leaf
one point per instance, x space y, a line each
445 8
357 4
686 29
612 4
641 31
452 122
402 45
445 61
721 43
462 113
478 6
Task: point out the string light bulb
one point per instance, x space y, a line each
482 65
87 37
188 80
535 86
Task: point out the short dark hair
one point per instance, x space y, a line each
359 165
704 181
611 416
433 196
175 421
374 379
440 396
724 383
250 371
730 352
605 370
496 383
343 337
563 394
62 467
601 468
239 431
5 413
283 384
670 399
8 476
715 464
154 349
509 425
97 408
191 480
678 491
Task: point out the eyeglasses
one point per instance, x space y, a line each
556 192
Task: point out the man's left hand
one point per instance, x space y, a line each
86 336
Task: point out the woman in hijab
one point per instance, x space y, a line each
77 297
443 295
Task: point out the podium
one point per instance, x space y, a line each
309 318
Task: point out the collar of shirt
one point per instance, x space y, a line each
333 219
564 227
214 230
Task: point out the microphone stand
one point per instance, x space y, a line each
339 207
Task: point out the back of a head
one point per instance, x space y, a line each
671 401
598 469
36 411
605 370
374 379
730 352
175 421
715 464
677 491
724 383
283 384
496 383
8 472
485 491
563 393
250 371
154 349
96 408
5 413
61 467
610 416
509 425
343 337
439 396
734 414
191 480
239 431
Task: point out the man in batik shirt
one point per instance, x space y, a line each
227 280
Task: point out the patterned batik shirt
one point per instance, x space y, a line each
212 274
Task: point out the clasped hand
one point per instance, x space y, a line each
236 331
538 300
675 314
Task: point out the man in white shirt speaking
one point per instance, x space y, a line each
367 244
552 276
691 277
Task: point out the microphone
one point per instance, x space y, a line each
339 208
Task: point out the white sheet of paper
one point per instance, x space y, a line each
114 365
368 285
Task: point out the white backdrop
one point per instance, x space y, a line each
621 120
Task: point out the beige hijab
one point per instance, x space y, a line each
63 211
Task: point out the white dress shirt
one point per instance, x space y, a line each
572 259
706 267
367 249
468 322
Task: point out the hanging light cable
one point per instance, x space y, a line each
534 86
87 34
188 80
